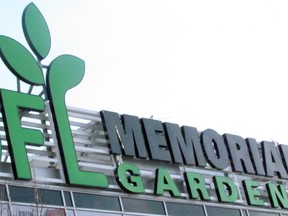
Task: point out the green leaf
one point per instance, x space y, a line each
36 31
65 72
20 61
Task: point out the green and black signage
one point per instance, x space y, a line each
129 136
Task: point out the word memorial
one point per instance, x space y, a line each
147 138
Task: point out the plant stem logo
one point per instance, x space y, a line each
63 73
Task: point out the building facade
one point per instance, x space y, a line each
48 192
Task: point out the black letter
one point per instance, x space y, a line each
184 151
256 158
239 154
284 155
117 135
272 160
154 133
215 149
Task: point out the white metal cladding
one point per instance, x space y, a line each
92 150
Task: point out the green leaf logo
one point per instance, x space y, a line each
23 64
20 61
36 31
65 72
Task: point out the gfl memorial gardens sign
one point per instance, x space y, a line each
139 140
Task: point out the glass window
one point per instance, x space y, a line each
35 195
19 210
20 194
216 211
3 194
91 213
184 209
4 209
70 213
51 197
96 201
143 206
245 213
256 213
52 212
68 199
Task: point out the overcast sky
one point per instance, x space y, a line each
207 64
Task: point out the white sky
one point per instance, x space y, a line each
207 64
